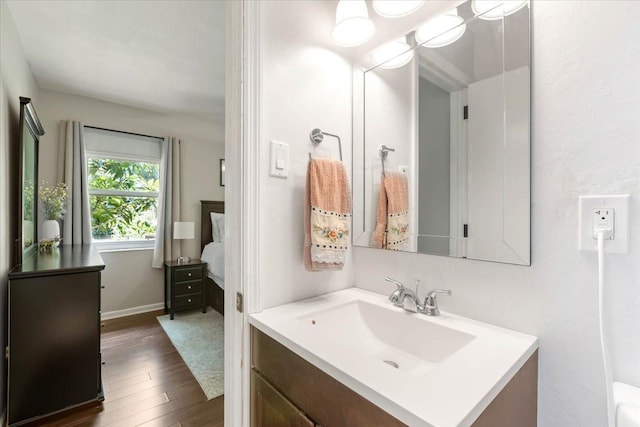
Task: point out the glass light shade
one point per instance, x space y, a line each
441 30
353 26
491 10
394 54
183 230
396 8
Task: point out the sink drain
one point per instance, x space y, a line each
391 363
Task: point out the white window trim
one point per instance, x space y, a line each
122 245
124 193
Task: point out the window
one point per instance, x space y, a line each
124 180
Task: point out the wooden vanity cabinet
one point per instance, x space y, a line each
288 391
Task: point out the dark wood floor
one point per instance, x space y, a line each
146 382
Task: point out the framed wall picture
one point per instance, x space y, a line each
222 174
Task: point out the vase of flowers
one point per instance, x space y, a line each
53 201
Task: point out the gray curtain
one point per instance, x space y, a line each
166 248
72 170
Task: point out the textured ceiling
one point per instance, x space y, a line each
165 56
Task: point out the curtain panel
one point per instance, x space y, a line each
168 203
72 170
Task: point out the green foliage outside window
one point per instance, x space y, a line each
120 217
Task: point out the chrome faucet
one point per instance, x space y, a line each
401 294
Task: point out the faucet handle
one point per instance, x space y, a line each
431 303
395 295
433 293
395 282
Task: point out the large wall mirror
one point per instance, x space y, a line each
442 128
30 132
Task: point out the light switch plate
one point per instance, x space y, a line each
619 204
279 159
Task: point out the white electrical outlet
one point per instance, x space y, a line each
602 219
608 213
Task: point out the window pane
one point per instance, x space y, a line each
113 174
123 218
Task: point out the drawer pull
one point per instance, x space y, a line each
189 300
189 287
189 274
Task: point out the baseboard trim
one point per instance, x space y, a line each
131 311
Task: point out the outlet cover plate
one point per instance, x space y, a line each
620 204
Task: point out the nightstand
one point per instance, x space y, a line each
184 286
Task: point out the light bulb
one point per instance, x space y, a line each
353 26
491 10
394 54
396 8
441 30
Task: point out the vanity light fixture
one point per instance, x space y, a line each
394 54
353 26
491 10
441 30
396 8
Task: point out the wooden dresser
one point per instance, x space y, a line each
54 333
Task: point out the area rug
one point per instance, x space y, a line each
199 338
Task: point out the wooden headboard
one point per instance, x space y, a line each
206 207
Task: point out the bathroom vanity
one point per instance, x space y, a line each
351 358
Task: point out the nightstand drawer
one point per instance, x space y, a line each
188 273
188 288
187 301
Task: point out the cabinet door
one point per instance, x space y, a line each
269 408
54 343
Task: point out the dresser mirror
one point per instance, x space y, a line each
30 132
449 109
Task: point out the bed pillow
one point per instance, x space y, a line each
220 223
215 229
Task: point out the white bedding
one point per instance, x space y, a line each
213 254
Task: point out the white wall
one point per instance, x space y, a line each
584 141
15 80
128 277
305 84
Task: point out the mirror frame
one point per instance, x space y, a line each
28 120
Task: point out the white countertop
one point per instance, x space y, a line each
432 388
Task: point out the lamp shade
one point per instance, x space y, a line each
396 8
183 230
394 54
495 9
441 30
353 26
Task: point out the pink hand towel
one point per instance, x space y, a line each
392 221
327 217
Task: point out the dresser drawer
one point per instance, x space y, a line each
188 301
188 288
188 273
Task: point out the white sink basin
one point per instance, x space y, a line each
426 371
374 333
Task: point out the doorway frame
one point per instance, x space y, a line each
242 201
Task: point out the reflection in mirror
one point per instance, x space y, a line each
454 105
30 131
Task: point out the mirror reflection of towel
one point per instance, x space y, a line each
327 217
392 221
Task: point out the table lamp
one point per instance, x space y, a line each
183 231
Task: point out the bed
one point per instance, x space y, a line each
213 254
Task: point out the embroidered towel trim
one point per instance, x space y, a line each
327 218
392 222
